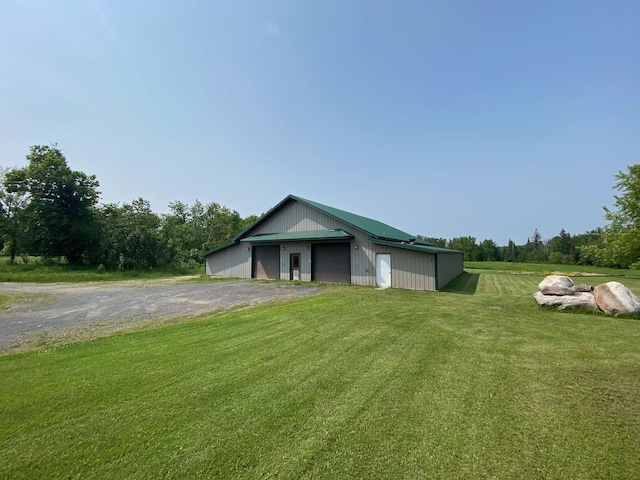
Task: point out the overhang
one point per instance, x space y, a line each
217 249
416 247
299 236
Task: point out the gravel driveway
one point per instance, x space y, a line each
82 309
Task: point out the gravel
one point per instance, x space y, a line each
52 309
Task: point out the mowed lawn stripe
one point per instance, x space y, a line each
351 383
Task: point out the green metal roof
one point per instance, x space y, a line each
217 249
416 246
298 236
372 227
377 230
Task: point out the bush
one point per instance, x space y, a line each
558 258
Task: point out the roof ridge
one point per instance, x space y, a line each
371 226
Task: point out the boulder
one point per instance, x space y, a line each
556 285
583 287
584 300
616 299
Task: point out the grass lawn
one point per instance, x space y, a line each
473 382
548 268
42 271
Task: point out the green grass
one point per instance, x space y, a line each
39 271
8 300
23 301
548 268
473 382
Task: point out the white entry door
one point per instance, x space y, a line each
383 270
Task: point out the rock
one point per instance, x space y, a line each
557 285
585 300
616 299
583 287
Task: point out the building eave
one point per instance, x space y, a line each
416 247
218 249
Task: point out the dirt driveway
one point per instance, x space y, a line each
51 311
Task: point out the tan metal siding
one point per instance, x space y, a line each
412 270
298 217
305 260
450 265
234 261
409 269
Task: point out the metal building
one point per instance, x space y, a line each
303 240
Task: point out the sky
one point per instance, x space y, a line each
440 118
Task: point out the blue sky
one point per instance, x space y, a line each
441 118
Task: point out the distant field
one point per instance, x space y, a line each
39 271
473 382
547 268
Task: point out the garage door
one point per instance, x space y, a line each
331 262
266 262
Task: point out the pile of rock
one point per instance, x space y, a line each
612 297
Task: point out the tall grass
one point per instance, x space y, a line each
34 269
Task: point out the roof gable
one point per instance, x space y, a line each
377 230
372 227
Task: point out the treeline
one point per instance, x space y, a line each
615 245
564 248
49 210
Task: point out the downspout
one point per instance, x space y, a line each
435 259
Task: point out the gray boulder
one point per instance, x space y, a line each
557 285
584 300
616 299
583 287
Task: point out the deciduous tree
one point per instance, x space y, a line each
59 213
621 238
488 251
11 217
438 242
467 245
132 238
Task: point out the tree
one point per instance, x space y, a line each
561 248
620 245
11 217
488 251
248 221
59 214
534 251
628 204
190 231
132 238
623 234
438 242
180 230
510 252
467 245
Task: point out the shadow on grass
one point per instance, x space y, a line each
465 284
